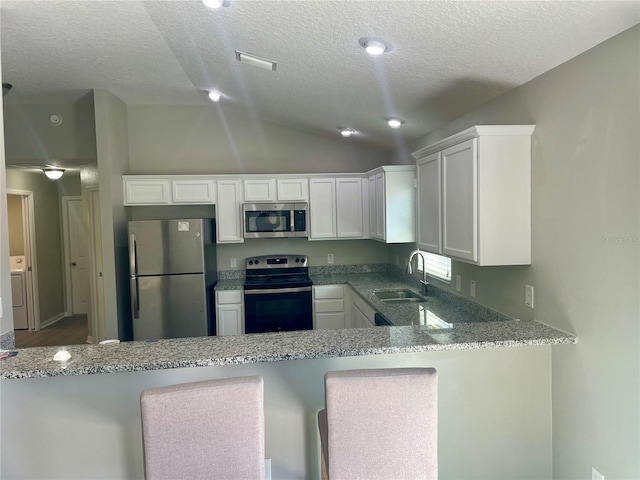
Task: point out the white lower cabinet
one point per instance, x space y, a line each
362 314
329 302
229 312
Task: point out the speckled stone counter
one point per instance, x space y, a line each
441 323
439 311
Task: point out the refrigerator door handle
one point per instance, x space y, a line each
134 297
132 254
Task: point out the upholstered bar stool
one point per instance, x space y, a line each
211 429
380 424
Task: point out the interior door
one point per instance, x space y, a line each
78 257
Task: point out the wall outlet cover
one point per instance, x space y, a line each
330 258
458 283
528 296
234 263
472 288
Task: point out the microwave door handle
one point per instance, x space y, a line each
293 221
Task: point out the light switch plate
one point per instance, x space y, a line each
234 263
472 288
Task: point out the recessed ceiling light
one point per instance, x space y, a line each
213 3
346 132
215 96
374 46
394 122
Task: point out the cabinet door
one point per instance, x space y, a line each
147 191
373 208
322 208
229 320
260 190
380 207
228 213
349 207
429 173
194 191
293 189
358 319
460 183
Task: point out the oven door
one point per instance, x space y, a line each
277 310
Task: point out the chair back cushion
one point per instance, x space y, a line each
382 424
211 429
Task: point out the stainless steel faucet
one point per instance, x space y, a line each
423 282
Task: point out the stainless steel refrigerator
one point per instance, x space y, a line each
172 273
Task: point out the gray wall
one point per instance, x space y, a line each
585 257
48 230
31 137
113 160
165 139
494 416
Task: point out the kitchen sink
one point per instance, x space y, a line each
401 295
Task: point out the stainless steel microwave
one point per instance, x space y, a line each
275 220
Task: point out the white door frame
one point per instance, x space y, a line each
68 290
96 311
31 273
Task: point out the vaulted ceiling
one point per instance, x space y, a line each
447 57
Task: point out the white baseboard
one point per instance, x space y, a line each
52 320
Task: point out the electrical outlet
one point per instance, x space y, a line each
458 283
472 288
596 475
330 258
528 296
234 263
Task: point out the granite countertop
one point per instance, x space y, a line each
435 325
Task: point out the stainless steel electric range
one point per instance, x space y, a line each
277 294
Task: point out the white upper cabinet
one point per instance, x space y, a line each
228 211
193 191
322 208
349 208
276 190
474 193
429 204
292 189
169 190
146 190
336 208
392 204
260 190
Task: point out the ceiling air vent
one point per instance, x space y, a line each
255 61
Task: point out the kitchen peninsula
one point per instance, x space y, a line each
510 386
461 325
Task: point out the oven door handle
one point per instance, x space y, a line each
277 290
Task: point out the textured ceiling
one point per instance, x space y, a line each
448 57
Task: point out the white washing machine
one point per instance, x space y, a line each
19 292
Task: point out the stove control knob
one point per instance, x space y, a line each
250 262
257 261
297 260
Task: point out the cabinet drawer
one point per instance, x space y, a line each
229 296
327 321
328 292
330 306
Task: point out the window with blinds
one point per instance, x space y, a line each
436 265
